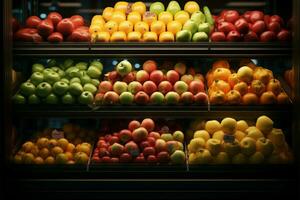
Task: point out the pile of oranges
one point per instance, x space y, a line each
133 23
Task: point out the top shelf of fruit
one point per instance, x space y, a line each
140 22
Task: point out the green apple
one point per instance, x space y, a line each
47 71
65 80
51 62
75 80
43 89
51 99
27 88
85 78
95 82
93 72
68 63
248 146
60 88
178 157
68 99
191 26
157 98
81 65
124 67
86 97
204 27
75 88
97 64
198 17
221 159
178 136
73 72
200 37
55 69
157 8
61 73
166 137
126 98
90 87
33 99
256 158
173 7
183 36
19 99
51 77
36 78
37 68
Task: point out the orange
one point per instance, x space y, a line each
111 26
118 16
118 36
141 27
166 37
98 19
174 27
158 27
150 37
134 17
134 36
191 7
126 26
121 6
139 7
149 17
107 13
165 17
182 16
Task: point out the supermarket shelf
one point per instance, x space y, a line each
205 49
29 111
180 111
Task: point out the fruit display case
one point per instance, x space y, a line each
159 182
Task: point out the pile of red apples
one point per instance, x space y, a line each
251 26
54 28
140 143
151 86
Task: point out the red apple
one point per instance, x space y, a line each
267 19
55 37
226 27
196 87
55 17
103 152
277 18
149 87
115 160
231 16
267 36
125 158
113 139
274 26
113 76
125 136
129 77
258 27
233 36
242 26
151 140
172 76
201 98
132 148
247 16
45 27
148 124
256 15
32 21
77 20
165 87
149 151
155 135
139 159
151 159
163 157
141 98
106 159
144 144
218 37
187 98
134 124
284 35
149 66
156 76
105 86
65 27
250 37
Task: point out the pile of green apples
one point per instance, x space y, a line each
66 83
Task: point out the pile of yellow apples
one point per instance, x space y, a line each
249 85
236 142
132 22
